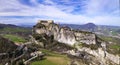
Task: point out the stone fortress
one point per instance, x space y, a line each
64 34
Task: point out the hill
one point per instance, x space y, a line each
6 45
15 33
7 25
85 27
13 29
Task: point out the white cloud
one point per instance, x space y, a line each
101 6
61 13
16 20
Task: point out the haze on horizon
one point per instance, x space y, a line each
100 12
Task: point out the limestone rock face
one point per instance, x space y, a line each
102 56
64 34
85 37
87 42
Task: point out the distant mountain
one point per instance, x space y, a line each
30 25
113 31
7 25
85 27
88 27
16 26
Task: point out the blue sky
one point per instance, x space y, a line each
101 12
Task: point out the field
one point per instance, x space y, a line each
14 38
15 30
52 58
15 33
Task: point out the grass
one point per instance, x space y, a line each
14 38
43 62
115 46
91 46
114 49
51 53
110 39
7 29
52 58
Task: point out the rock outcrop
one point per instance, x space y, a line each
6 45
64 34
83 41
12 54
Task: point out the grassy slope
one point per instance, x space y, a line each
6 45
15 34
15 29
52 58
21 31
43 62
14 38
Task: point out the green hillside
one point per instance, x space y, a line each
14 38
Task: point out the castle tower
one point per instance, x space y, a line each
45 22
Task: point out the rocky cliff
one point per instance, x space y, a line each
83 41
6 46
64 34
